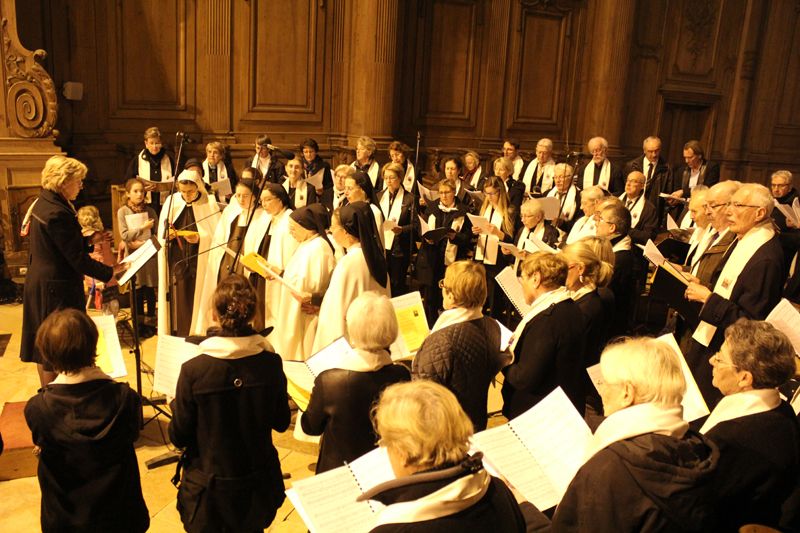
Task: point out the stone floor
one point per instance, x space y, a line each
20 498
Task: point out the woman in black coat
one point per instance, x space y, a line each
548 343
59 256
342 397
227 402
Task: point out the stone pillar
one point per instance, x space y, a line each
27 118
606 60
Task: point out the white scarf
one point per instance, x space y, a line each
518 164
476 178
300 192
622 244
261 164
486 250
635 209
222 172
745 403
583 227
748 245
450 249
568 202
605 175
524 243
235 347
87 373
583 291
456 315
408 180
547 171
708 238
144 171
359 360
372 172
461 494
540 304
336 199
391 213
636 420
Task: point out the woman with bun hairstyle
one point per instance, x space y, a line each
227 402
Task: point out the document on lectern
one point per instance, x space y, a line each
327 502
539 451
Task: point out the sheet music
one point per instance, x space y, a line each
671 224
328 357
516 252
327 503
139 258
428 194
653 254
551 206
109 351
136 221
541 245
480 222
171 353
423 226
299 374
508 281
256 263
791 212
372 469
505 336
389 225
411 320
787 319
315 179
223 187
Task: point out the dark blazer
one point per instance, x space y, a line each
311 194
276 172
647 225
550 234
88 470
660 181
224 412
473 206
596 320
548 354
710 264
709 175
756 473
58 260
401 246
516 192
339 411
616 182
624 288
315 165
327 199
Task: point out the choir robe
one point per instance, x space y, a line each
202 216
269 236
219 260
350 278
309 270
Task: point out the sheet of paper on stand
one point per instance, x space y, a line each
480 222
508 281
786 318
139 258
315 179
109 351
171 353
694 406
428 194
540 451
411 322
328 502
551 206
222 187
136 221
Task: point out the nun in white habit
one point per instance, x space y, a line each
190 209
269 236
308 273
362 269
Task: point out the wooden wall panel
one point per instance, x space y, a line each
150 61
280 64
695 52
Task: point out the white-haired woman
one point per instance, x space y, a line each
646 470
341 399
59 257
439 487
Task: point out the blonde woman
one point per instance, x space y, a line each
365 161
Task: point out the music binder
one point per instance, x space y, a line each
670 289
508 281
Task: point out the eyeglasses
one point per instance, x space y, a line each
495 193
780 185
527 215
446 192
442 285
601 219
719 361
715 206
737 205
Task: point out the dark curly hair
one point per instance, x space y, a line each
234 303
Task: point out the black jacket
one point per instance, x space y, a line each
58 260
596 320
223 414
660 182
464 358
315 166
401 245
646 483
339 411
88 470
756 475
548 354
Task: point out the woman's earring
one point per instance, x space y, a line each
580 278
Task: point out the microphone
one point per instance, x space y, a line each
189 257
186 137
579 154
280 152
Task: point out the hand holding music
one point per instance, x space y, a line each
696 292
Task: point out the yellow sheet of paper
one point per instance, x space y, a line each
187 233
255 263
413 326
301 397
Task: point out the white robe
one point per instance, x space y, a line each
281 248
206 220
350 278
309 270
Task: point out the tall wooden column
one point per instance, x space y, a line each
214 66
27 118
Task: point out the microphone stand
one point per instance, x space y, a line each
256 195
414 194
180 139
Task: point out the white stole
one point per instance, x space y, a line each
518 164
144 172
450 249
583 227
741 255
568 202
391 213
336 200
408 180
486 250
222 173
524 244
372 172
745 403
456 315
540 304
635 209
261 164
476 178
605 175
300 192
622 244
708 239
548 171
